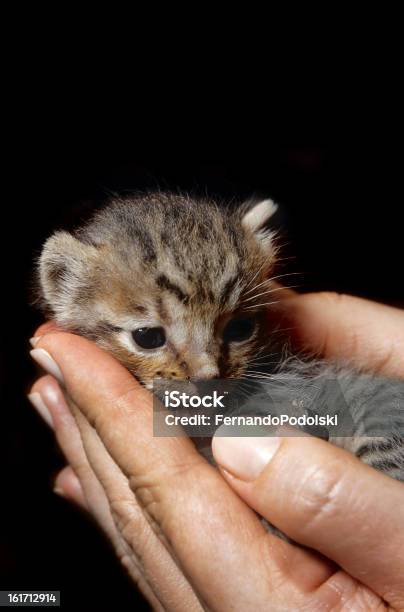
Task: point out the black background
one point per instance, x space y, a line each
341 214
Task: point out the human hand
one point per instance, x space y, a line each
183 532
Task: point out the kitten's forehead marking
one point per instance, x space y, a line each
228 292
163 282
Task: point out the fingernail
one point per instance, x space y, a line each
33 341
38 403
243 457
59 492
47 362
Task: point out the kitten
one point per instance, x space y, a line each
178 288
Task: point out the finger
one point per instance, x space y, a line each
369 334
324 498
49 326
175 485
68 485
152 568
48 394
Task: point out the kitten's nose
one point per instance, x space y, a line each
205 372
200 364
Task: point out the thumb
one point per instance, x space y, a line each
366 333
324 498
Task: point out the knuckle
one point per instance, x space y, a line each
156 489
385 360
320 495
127 517
147 490
333 299
120 407
129 397
340 304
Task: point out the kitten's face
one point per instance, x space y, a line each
179 332
173 289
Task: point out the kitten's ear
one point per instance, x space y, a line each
63 265
255 220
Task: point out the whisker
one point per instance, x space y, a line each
260 359
256 274
269 291
258 371
258 376
256 360
272 278
261 305
264 282
246 384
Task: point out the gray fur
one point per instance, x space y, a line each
370 408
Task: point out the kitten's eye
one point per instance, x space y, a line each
149 337
238 330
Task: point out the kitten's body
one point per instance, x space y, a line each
163 267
